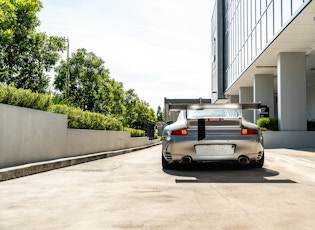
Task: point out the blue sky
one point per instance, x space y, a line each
160 48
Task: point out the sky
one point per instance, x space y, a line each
159 48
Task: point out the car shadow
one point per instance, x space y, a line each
223 173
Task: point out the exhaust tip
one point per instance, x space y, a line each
243 160
186 159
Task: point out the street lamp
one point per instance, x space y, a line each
68 72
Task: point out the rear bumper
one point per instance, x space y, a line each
175 151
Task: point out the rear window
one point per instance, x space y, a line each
204 113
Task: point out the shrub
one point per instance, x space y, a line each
24 98
79 119
268 124
135 132
59 100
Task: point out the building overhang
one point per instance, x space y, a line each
298 36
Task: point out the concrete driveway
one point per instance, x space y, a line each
131 191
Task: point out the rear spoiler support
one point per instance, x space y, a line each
251 105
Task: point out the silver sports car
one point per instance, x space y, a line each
213 133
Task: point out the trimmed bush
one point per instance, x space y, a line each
135 132
79 119
24 98
268 124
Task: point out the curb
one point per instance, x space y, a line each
33 168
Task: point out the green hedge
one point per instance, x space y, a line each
24 98
268 124
135 132
79 119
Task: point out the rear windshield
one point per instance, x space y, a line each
204 113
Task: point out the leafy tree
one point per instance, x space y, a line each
131 103
159 114
26 56
90 86
117 100
137 112
145 115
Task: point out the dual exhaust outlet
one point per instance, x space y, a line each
241 159
186 159
244 160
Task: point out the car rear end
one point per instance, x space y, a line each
203 137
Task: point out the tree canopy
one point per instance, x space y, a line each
25 55
159 114
91 88
138 112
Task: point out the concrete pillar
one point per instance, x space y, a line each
246 95
291 81
264 92
233 98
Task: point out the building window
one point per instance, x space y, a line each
249 27
263 30
286 11
258 37
277 16
270 22
257 10
296 4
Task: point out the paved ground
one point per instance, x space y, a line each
132 192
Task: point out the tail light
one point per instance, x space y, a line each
249 131
215 119
179 132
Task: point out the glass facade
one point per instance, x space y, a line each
250 25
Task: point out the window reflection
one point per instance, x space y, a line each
296 4
257 10
277 15
263 30
250 25
270 24
258 37
286 11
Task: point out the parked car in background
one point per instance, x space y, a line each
213 133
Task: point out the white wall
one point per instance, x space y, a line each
246 94
264 93
291 84
28 136
289 139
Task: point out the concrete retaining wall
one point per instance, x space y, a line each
28 136
289 139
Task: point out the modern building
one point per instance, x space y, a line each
264 51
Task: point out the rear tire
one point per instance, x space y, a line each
259 163
165 164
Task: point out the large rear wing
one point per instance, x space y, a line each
247 106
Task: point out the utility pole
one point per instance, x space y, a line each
68 72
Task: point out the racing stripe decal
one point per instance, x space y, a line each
201 129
